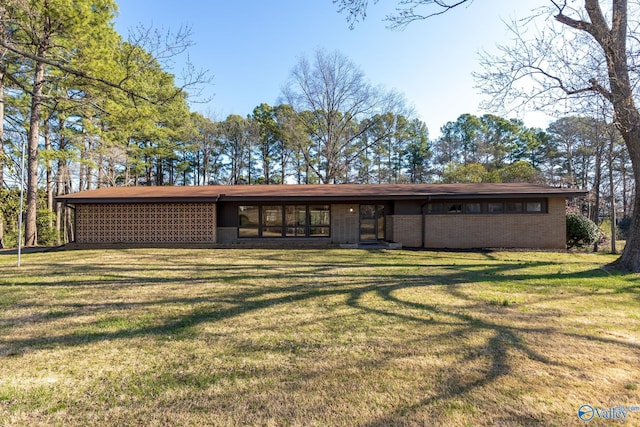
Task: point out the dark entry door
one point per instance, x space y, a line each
371 223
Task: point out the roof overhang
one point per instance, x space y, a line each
334 193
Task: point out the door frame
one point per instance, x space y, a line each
379 222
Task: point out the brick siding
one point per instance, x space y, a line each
405 229
502 231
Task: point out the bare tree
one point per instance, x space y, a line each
585 50
1 153
336 94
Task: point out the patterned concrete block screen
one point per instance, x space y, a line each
146 223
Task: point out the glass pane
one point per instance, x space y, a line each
271 231
296 231
271 216
368 229
513 207
367 212
248 216
435 208
295 216
320 215
319 231
248 232
534 207
454 208
380 228
472 208
495 207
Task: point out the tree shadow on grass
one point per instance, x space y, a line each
328 283
321 281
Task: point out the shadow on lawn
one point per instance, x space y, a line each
320 280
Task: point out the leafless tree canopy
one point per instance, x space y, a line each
407 11
566 55
333 91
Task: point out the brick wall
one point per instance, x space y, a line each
509 231
146 223
405 229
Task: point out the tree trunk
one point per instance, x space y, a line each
88 170
100 181
49 170
81 174
1 154
612 199
625 204
33 137
60 183
630 257
627 116
595 215
62 188
283 164
205 163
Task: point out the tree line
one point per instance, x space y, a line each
92 110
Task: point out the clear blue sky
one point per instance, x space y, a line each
250 46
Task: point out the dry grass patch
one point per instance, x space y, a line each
314 337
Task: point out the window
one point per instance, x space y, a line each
319 220
528 206
435 208
248 221
534 207
473 208
495 207
513 207
271 221
454 207
296 220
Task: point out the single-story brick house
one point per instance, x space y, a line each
413 215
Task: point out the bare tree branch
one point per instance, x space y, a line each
406 12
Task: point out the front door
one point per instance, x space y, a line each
371 223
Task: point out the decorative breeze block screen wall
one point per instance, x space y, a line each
146 223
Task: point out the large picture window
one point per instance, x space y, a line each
284 221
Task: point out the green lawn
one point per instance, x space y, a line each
315 337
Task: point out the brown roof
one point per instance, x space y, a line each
320 192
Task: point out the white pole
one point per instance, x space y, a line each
21 204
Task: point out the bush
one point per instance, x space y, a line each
10 211
623 228
47 234
581 231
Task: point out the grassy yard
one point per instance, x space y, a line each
315 337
